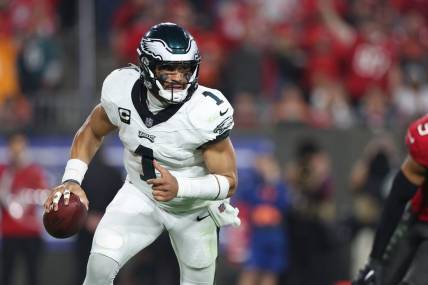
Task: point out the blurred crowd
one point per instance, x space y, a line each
29 57
321 63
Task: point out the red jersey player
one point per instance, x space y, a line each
406 263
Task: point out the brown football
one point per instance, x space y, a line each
68 220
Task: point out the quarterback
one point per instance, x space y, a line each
180 162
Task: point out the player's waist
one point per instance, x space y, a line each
175 205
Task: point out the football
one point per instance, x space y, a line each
68 220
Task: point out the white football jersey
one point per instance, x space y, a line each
173 136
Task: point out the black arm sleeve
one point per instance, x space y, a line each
402 191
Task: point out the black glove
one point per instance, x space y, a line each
371 274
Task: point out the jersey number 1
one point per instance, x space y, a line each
217 100
146 162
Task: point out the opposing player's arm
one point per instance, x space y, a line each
412 174
413 171
404 186
406 181
220 159
86 142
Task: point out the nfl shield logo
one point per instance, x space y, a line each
221 208
148 122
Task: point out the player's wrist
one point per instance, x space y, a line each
208 187
75 171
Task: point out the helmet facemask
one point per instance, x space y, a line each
170 81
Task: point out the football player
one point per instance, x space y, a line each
406 263
180 162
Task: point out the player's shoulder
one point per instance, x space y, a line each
203 92
417 140
210 112
209 103
119 81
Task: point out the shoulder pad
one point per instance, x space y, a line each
211 114
117 87
417 140
119 80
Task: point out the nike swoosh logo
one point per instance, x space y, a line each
198 218
369 275
222 113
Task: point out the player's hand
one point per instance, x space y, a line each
65 189
165 187
370 274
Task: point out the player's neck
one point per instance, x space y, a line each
154 104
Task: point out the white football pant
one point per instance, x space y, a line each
133 221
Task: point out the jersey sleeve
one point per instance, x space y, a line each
107 97
213 117
417 141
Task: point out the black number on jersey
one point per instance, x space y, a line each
146 162
217 100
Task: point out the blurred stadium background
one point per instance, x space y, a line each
322 89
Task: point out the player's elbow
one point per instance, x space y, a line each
233 184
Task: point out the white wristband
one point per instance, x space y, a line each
208 187
75 170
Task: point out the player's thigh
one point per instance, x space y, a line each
129 225
195 242
418 273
